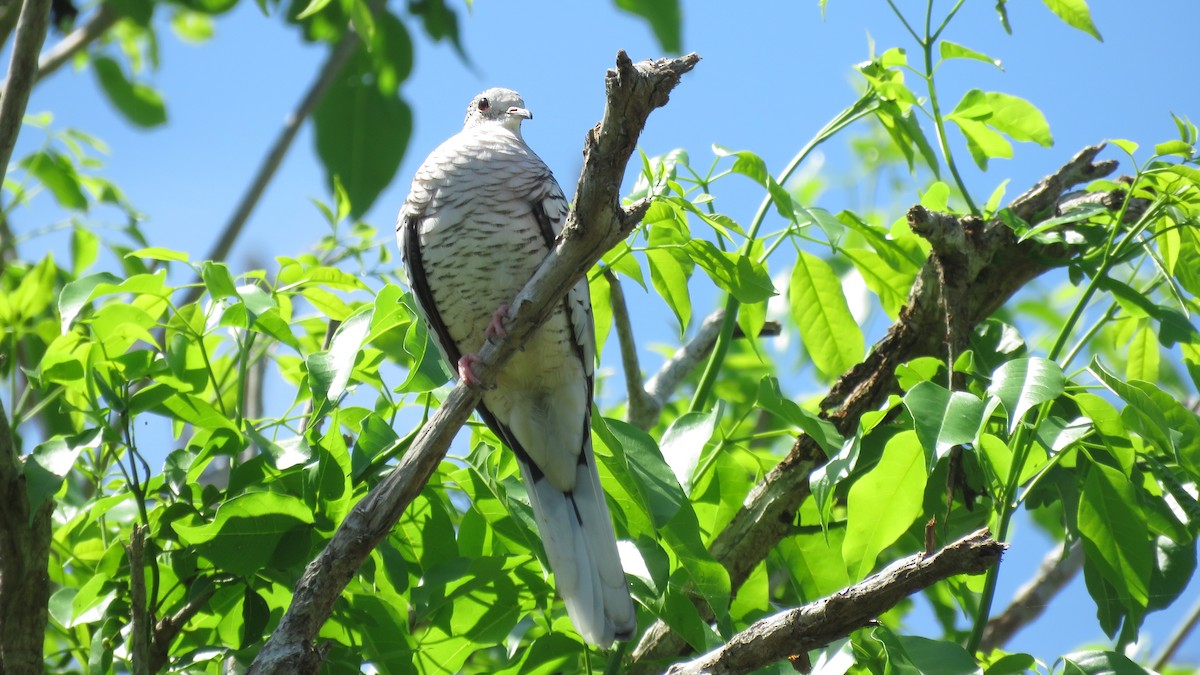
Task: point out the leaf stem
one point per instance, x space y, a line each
860 108
938 122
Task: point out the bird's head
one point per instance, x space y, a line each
497 105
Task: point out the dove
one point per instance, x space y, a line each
482 214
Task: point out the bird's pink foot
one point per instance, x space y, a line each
495 327
466 369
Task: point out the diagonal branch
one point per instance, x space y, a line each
633 91
1057 570
819 623
998 266
101 20
22 73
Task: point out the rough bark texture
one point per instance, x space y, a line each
993 266
597 223
24 561
819 623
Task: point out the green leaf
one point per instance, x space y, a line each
670 279
35 292
883 504
819 308
672 513
943 418
1002 11
1075 13
1011 664
1008 114
330 370
953 50
195 410
771 399
85 248
193 27
361 133
684 441
753 167
243 536
56 172
1154 415
218 280
664 17
427 369
158 253
1096 662
890 286
1021 384
1115 535
938 656
77 294
139 103
313 7
47 466
744 278
138 11
983 143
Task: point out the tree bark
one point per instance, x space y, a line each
796 631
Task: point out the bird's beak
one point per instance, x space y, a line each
520 112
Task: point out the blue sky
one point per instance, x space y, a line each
773 73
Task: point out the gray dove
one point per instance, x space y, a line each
482 214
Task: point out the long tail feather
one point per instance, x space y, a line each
580 543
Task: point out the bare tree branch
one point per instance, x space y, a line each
1177 639
1057 570
139 651
22 72
662 385
819 623
168 628
24 561
633 91
640 403
101 20
998 265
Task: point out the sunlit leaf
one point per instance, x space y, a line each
820 311
883 504
1021 384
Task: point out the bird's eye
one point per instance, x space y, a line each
483 104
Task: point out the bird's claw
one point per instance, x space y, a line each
466 370
495 327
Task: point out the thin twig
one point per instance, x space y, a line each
1185 629
98 23
166 630
639 400
662 385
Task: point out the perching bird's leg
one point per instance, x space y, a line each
495 328
466 369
